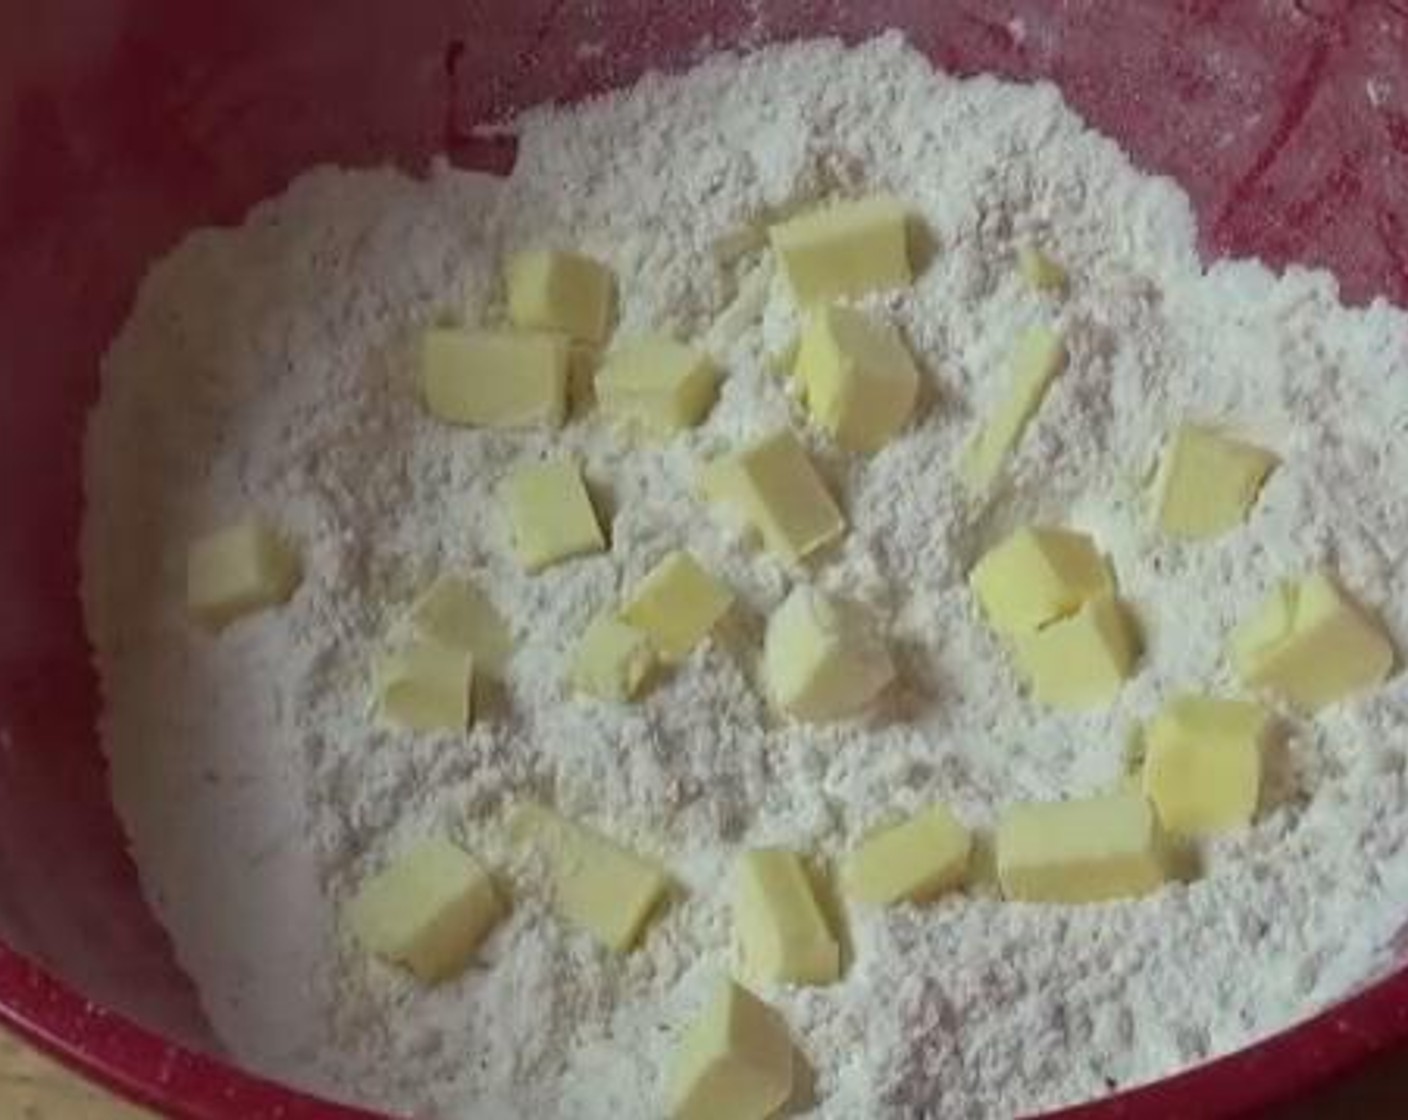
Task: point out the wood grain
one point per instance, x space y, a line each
33 1087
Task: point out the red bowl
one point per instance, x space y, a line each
124 123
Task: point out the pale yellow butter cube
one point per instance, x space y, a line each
454 613
613 659
657 384
733 1063
859 379
1038 575
1041 272
1080 661
551 513
1202 763
821 659
495 379
1039 355
237 570
779 926
427 687
428 911
677 604
846 249
1313 644
1086 850
1208 482
557 291
915 860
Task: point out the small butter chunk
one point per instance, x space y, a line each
1313 644
551 514
1038 575
859 379
1080 662
1038 357
1086 850
821 659
1202 763
495 379
916 860
773 484
428 911
613 660
846 249
598 886
237 570
1041 272
456 614
1208 482
733 1063
657 383
677 604
779 925
427 687
556 291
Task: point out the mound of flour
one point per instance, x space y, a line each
272 367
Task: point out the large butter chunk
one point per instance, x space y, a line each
774 485
657 384
428 911
733 1063
613 659
846 249
1208 482
1086 850
860 381
237 570
1313 644
915 860
551 513
1039 270
779 926
494 378
1202 763
1080 661
1039 355
557 291
821 659
598 886
1038 575
427 687
677 604
454 613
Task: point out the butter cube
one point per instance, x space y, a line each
779 925
1209 482
1086 850
1202 763
495 379
859 379
556 291
1080 662
914 861
1041 272
677 604
657 384
773 484
1313 644
237 570
821 659
846 249
428 911
456 614
427 687
551 514
1040 354
598 886
613 660
1038 575
734 1062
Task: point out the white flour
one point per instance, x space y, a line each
272 367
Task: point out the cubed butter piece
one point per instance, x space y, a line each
427 687
1087 850
557 291
454 613
613 659
1202 763
1080 661
845 249
1040 354
237 570
1208 482
428 911
821 659
494 379
780 928
551 514
677 604
1313 644
657 384
860 381
913 861
1038 575
733 1063
1040 272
